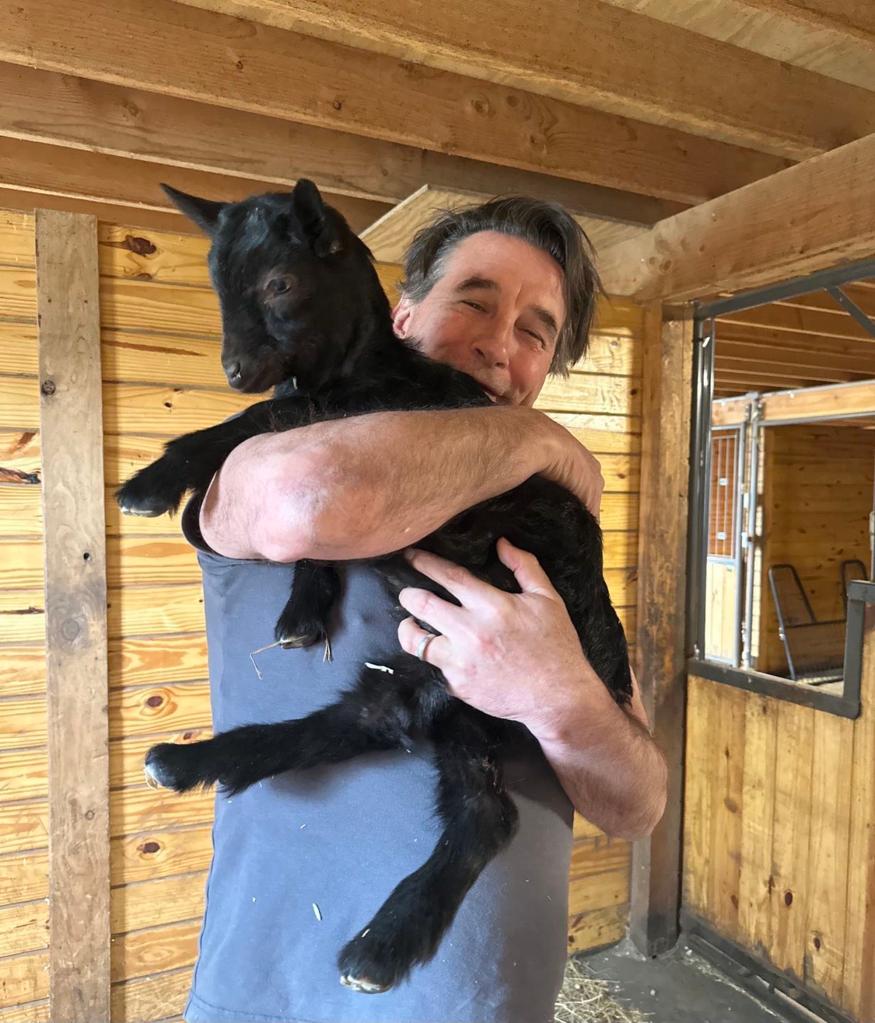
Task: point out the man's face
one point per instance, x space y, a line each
494 314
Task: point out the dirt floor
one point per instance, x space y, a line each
618 985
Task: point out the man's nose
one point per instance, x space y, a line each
493 346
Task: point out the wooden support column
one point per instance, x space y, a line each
665 447
76 649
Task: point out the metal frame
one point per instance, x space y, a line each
848 704
850 306
788 998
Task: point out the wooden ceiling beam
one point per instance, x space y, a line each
810 359
822 36
42 106
572 54
780 340
390 236
817 214
821 322
727 366
177 50
114 180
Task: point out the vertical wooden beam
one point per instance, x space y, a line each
76 656
665 447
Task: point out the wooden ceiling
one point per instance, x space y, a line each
800 342
626 110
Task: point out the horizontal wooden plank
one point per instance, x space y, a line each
151 998
842 399
159 708
20 510
163 659
22 722
160 901
24 927
127 304
19 454
135 408
24 877
17 244
146 610
89 176
586 392
25 979
17 292
282 74
136 810
19 403
155 854
24 774
155 950
24 826
597 928
22 670
803 219
22 616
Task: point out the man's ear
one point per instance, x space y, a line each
401 315
204 212
324 226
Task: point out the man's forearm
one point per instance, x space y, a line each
367 485
608 764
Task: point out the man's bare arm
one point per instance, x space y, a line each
367 485
610 767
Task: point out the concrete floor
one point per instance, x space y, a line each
680 987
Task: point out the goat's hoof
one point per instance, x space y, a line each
368 987
302 638
171 765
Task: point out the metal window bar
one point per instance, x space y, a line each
700 472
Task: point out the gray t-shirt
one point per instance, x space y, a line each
302 861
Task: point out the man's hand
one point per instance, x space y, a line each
517 655
511 655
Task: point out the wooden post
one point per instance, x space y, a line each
76 649
665 448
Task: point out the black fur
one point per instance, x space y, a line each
304 312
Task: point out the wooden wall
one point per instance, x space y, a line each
160 332
817 489
601 404
779 823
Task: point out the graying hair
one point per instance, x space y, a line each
545 225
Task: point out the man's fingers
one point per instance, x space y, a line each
464 586
411 635
526 568
439 613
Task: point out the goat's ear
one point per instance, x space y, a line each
318 220
204 212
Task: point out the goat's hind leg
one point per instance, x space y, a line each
479 819
238 758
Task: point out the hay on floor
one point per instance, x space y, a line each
586 998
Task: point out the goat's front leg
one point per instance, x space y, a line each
190 462
365 718
304 619
479 819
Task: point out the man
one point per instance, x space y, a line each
505 293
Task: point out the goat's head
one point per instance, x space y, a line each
293 283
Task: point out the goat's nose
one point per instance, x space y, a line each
232 371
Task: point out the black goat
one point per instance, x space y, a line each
303 310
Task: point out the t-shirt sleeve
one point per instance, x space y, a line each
191 525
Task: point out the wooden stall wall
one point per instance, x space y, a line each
601 404
23 754
816 498
779 825
161 372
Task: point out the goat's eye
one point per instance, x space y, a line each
278 285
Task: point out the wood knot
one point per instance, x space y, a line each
48 388
154 701
788 898
149 848
139 246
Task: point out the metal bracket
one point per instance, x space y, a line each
850 306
